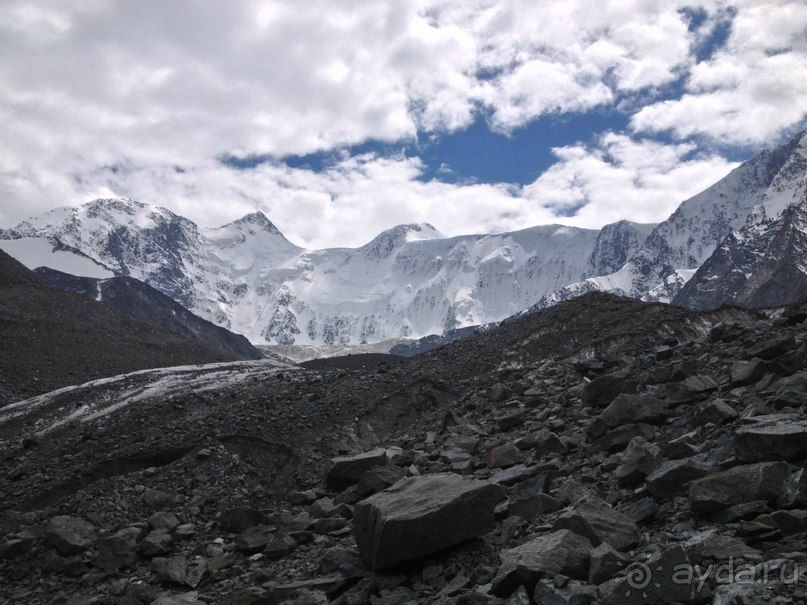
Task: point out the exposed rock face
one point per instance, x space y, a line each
420 516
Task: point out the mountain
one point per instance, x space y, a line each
764 264
144 302
53 338
408 281
676 248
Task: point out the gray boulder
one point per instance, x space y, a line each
560 552
771 441
70 535
348 470
747 483
599 523
422 515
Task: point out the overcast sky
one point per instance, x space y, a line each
339 119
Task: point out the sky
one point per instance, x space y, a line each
339 119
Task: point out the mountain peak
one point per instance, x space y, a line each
385 242
256 219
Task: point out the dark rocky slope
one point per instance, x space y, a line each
577 455
144 302
52 338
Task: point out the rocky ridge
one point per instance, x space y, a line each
584 454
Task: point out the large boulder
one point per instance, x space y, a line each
561 552
348 470
627 408
671 478
771 441
747 483
599 523
70 535
603 390
422 515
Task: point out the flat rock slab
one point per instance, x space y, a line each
348 470
771 441
419 516
561 552
746 483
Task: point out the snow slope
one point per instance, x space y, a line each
409 281
766 184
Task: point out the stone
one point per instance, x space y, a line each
70 535
598 522
747 483
627 408
422 515
253 539
238 519
341 560
348 470
605 563
771 441
154 498
529 498
280 545
639 460
710 544
119 549
512 419
699 384
503 456
514 474
377 479
773 348
157 542
667 577
560 552
671 478
617 439
747 372
164 520
603 390
187 598
716 411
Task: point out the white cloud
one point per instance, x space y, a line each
752 89
110 95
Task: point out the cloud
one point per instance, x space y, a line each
142 98
752 89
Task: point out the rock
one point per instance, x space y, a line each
639 460
627 408
530 498
761 481
640 511
238 519
119 549
341 560
671 478
280 545
699 384
70 535
187 598
253 539
716 411
422 515
378 478
154 498
773 348
771 441
599 523
514 474
603 390
795 493
617 438
747 372
348 470
164 520
510 420
668 577
157 542
560 552
713 545
605 563
302 497
503 456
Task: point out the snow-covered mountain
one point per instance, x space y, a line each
763 186
409 281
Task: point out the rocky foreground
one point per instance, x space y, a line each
603 451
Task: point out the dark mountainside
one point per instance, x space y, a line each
144 302
53 338
576 455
